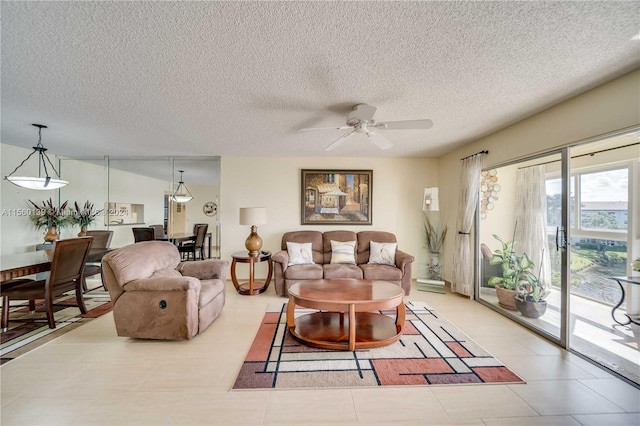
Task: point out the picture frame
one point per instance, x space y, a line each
336 197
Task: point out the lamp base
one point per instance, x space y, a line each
253 243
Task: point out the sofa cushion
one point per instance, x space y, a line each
343 252
341 271
364 243
381 272
329 236
383 253
314 237
299 253
304 272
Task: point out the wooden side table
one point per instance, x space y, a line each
252 287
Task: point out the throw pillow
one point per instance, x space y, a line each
343 252
383 253
299 254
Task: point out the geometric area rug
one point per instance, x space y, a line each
22 337
431 351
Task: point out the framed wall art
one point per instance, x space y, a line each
336 197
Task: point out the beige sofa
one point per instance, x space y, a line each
156 296
286 275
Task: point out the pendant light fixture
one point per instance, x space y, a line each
40 183
182 194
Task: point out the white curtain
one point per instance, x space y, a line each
531 220
468 199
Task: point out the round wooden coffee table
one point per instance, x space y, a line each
346 320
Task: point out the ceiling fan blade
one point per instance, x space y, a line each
379 140
406 124
339 141
324 128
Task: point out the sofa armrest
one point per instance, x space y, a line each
403 259
164 284
281 257
204 269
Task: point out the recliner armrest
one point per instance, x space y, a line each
164 284
204 269
403 259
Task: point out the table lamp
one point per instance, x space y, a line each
253 216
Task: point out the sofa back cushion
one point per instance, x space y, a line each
313 237
142 260
327 237
364 243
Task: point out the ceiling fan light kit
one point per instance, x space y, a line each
360 120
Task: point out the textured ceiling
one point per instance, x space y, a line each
238 78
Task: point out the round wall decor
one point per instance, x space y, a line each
210 208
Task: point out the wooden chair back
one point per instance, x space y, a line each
101 239
143 234
67 264
158 232
201 232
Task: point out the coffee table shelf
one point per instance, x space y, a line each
345 320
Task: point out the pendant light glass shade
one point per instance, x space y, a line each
182 194
40 183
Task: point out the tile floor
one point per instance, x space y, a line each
92 377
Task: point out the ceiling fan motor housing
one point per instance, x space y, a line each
360 113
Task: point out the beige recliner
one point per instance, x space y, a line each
156 296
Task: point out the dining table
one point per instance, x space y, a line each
29 263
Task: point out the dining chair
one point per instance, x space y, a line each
67 269
143 234
101 239
190 248
158 232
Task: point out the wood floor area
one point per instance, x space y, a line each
90 376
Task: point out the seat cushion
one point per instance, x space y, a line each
304 272
209 289
338 271
381 272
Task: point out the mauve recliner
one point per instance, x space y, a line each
156 296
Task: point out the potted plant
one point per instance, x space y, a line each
531 293
516 271
434 239
49 217
84 216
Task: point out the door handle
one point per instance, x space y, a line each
561 238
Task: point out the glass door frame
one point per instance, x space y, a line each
564 238
565 267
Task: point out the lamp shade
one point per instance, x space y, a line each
253 215
39 183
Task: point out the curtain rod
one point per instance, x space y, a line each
477 153
590 154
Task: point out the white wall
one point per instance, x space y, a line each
607 108
274 183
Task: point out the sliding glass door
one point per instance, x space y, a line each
520 215
563 224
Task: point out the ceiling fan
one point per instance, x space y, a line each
360 120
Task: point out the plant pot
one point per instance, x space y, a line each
506 298
51 235
83 231
531 309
